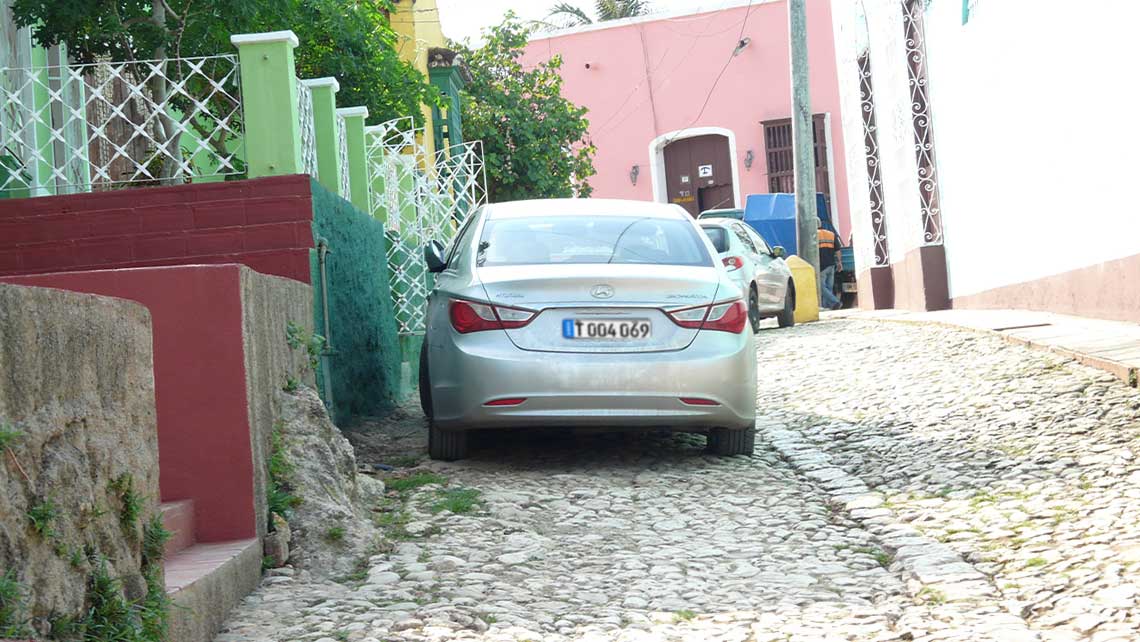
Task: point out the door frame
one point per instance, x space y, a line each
657 159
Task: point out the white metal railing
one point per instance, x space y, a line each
342 156
76 128
308 129
422 199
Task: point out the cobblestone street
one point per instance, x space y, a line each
910 482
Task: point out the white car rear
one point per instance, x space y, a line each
758 270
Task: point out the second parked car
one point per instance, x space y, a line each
759 270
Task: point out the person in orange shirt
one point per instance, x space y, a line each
828 260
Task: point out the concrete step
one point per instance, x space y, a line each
178 518
206 581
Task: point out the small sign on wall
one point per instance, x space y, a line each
968 6
704 171
685 178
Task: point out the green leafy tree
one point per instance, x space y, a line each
571 15
535 142
352 41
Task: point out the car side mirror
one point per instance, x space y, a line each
779 252
433 257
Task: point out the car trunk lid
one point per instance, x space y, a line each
608 296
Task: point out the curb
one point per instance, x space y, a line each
932 571
1128 374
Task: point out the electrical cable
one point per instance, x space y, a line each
712 89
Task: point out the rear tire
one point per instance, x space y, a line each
446 445
726 443
754 310
787 317
425 384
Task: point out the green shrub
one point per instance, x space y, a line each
41 516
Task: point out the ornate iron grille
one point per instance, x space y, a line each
915 41
871 149
308 129
781 155
102 125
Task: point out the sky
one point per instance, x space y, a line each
464 19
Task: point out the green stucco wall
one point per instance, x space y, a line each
367 376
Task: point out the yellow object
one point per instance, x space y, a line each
416 23
807 295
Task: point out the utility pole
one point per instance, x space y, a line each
807 220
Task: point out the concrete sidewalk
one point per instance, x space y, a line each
1112 346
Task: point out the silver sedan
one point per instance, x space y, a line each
756 268
585 313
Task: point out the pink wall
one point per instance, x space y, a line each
651 77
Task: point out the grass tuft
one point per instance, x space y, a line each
413 481
13 622
684 615
155 537
41 516
280 495
457 500
130 502
8 434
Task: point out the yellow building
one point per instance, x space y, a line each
416 23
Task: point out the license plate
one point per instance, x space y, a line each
850 287
606 329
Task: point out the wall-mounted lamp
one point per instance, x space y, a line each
633 172
748 158
740 45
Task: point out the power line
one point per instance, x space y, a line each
692 45
708 97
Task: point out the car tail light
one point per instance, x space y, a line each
469 316
691 318
730 316
733 263
727 317
698 401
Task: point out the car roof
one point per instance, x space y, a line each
718 222
584 207
726 212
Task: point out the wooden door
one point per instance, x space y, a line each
698 173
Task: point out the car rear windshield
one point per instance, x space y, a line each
719 237
568 240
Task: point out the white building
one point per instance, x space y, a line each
997 169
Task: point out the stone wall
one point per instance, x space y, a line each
269 304
77 386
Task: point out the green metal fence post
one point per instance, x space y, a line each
269 101
354 118
325 122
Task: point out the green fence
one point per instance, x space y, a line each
363 370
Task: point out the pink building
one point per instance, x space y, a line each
646 81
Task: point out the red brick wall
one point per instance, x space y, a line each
264 223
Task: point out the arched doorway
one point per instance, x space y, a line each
696 169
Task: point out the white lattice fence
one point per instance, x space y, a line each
342 156
97 126
308 129
420 201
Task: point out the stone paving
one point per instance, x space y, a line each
910 483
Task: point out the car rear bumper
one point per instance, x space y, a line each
592 389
